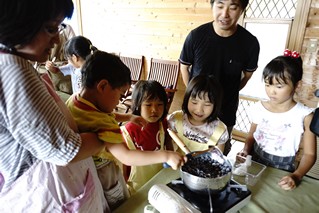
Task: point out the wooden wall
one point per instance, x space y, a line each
153 28
310 59
157 28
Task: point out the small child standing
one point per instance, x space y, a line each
105 78
150 102
280 123
197 124
76 50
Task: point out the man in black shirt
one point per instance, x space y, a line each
224 49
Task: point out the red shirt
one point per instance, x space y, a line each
148 138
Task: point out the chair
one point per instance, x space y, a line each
135 63
165 72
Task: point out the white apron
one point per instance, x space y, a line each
49 188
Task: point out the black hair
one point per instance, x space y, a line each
243 3
79 46
145 90
102 65
283 69
21 20
197 87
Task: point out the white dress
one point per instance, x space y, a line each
279 133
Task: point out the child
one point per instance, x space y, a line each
76 50
279 123
197 125
150 102
105 78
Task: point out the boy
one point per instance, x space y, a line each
105 78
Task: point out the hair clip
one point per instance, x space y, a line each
293 54
287 52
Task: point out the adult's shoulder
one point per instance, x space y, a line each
14 63
245 34
202 28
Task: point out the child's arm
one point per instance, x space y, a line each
142 158
49 65
249 142
122 117
222 140
308 158
90 146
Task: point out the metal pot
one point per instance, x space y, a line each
204 185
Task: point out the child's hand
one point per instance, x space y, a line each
287 183
241 156
139 120
49 65
175 159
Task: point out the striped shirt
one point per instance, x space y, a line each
32 127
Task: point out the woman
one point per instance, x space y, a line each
45 166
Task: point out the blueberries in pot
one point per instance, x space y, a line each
205 167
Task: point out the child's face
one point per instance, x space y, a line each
152 110
279 92
74 61
199 109
109 98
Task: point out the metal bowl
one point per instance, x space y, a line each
204 185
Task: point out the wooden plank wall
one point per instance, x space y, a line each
157 28
310 59
153 28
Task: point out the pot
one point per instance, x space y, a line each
213 181
202 183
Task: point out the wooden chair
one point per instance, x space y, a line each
135 63
165 72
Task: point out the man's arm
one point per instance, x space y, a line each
185 73
245 78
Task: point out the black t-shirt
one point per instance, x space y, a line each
223 57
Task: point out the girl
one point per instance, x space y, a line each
150 102
105 79
279 124
197 125
76 51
